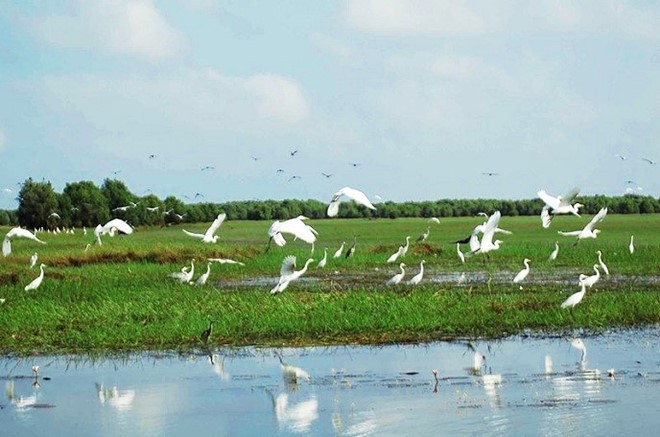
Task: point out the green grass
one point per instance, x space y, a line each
117 296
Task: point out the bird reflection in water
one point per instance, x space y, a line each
218 364
297 417
122 400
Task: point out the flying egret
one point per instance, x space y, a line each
124 208
602 264
588 231
424 236
33 259
575 298
37 281
407 246
358 196
111 228
324 260
351 250
209 236
54 215
418 277
554 253
631 246
17 233
152 208
340 250
489 228
558 205
295 226
204 277
398 277
434 220
288 273
650 161
589 281
225 261
460 254
523 273
395 255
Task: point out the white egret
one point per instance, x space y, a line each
37 281
209 236
424 236
631 246
460 254
358 196
478 361
54 215
185 275
395 255
588 231
578 344
112 227
418 277
575 298
288 273
398 277
292 373
589 281
602 264
340 250
324 260
33 259
523 273
554 253
434 220
225 261
407 246
204 277
17 233
558 205
153 208
124 208
295 226
487 244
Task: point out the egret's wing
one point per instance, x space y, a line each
490 227
215 225
279 239
546 218
288 266
298 228
357 196
503 231
312 229
597 218
570 234
120 224
192 234
6 247
333 208
551 201
570 196
225 261
474 242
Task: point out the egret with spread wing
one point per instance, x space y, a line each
209 236
588 231
558 205
289 273
17 233
358 196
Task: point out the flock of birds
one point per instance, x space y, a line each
482 240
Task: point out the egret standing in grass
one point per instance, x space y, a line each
324 260
33 259
460 254
37 281
631 246
575 298
554 253
204 277
418 277
523 273
602 264
340 250
398 277
589 281
424 236
407 246
395 255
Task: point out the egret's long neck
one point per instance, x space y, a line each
402 271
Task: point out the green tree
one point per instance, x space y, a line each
88 205
36 201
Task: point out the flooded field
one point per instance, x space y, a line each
592 385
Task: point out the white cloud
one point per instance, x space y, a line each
126 27
278 98
333 46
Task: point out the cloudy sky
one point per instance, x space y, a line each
426 96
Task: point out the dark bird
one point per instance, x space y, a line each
351 250
294 177
198 195
293 152
631 182
208 167
206 335
254 158
649 161
326 174
463 241
489 173
152 156
355 164
116 172
279 170
621 157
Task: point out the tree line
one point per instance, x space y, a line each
86 204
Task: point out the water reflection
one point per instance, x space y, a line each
389 390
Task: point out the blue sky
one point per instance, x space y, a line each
425 95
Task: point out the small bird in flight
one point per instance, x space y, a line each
279 170
649 161
255 158
116 172
326 174
621 157
208 167
152 156
355 164
294 177
489 173
293 152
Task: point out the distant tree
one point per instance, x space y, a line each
87 204
36 201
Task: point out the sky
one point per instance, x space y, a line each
426 96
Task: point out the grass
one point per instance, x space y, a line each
117 297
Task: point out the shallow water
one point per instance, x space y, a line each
359 390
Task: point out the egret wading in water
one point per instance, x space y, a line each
209 236
37 281
398 277
418 277
289 273
554 253
602 264
523 273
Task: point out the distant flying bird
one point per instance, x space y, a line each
649 161
575 298
631 246
152 156
152 208
355 164
289 273
398 277
116 172
225 261
418 277
588 231
631 182
125 208
293 152
17 233
489 173
209 236
7 190
554 253
208 167
523 273
54 215
279 170
434 220
254 158
33 259
602 263
621 157
358 196
295 226
294 177
327 175
37 281
340 250
558 205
